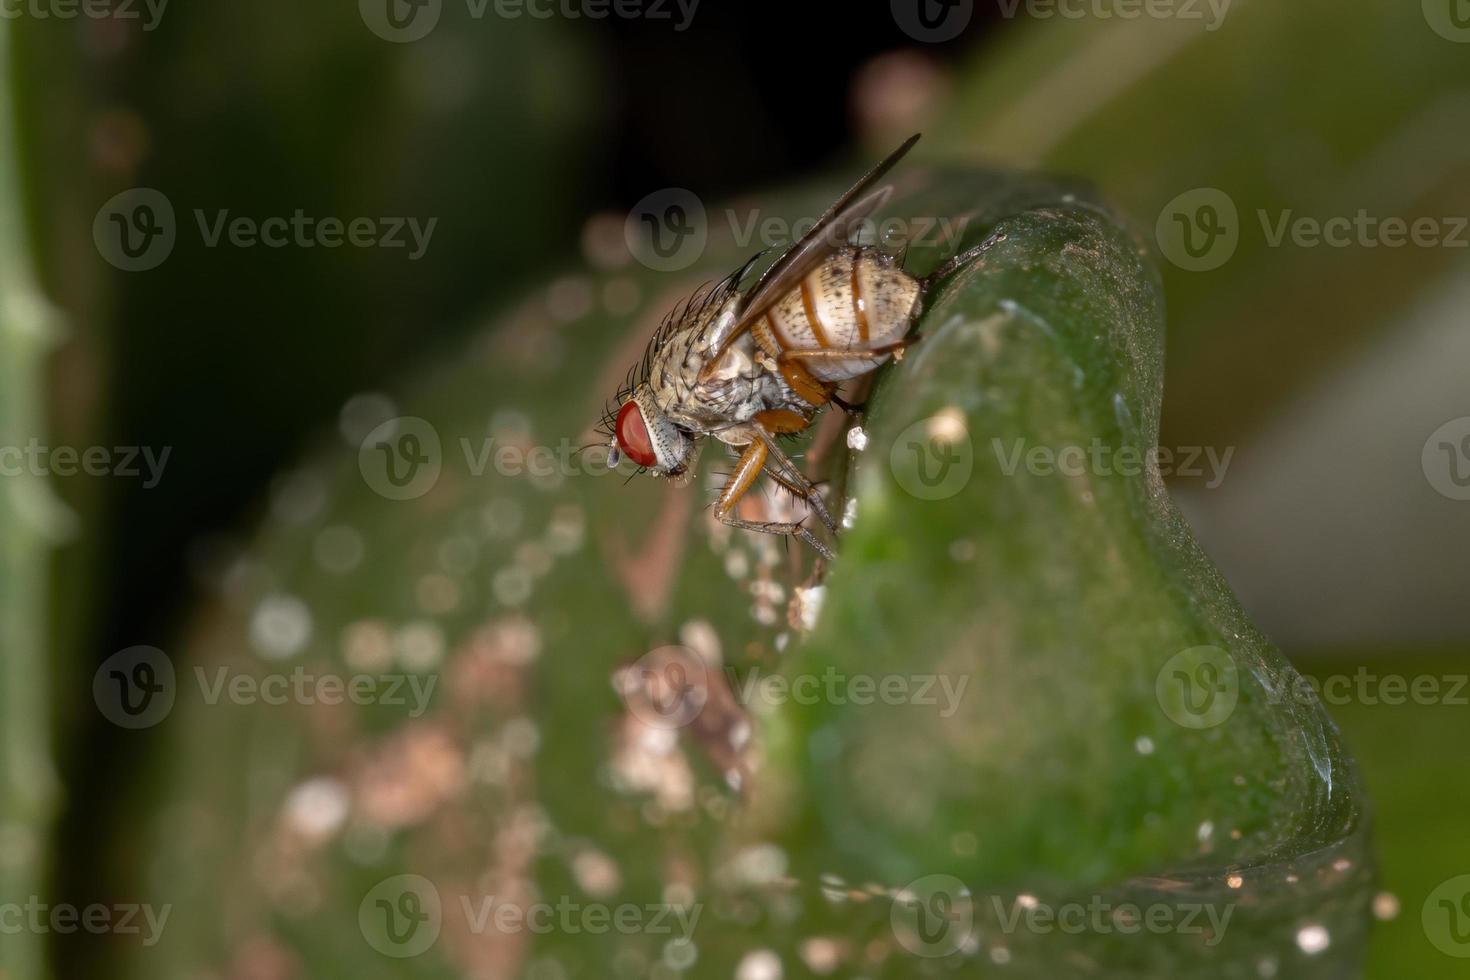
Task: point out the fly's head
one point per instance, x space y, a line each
643 433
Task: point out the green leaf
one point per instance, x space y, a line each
1072 763
31 522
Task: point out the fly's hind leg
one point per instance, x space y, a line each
808 354
780 466
783 527
747 469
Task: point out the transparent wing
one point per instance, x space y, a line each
830 233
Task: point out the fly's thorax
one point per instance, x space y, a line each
857 299
676 366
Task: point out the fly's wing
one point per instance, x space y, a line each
829 234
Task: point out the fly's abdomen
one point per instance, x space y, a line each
857 300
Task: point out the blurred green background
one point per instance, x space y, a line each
1325 371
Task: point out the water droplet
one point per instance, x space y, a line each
762 964
363 413
1313 939
420 646
317 807
280 627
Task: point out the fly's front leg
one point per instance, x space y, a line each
747 469
953 264
786 473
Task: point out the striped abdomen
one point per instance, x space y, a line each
858 299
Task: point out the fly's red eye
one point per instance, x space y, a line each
633 435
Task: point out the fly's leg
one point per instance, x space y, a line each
780 465
949 267
850 354
747 469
